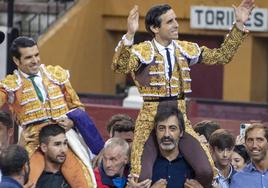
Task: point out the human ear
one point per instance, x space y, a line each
16 60
43 147
154 29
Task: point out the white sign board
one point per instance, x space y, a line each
3 54
204 17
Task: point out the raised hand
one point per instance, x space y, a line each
132 22
243 11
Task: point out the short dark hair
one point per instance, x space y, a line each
222 139
117 118
12 160
257 126
20 42
6 119
206 128
50 130
123 126
152 17
241 150
165 111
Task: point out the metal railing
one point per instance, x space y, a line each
38 22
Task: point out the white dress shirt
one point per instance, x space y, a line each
162 50
39 82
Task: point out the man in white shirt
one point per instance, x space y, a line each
39 95
160 69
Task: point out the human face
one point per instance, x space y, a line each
256 145
114 161
222 158
5 135
168 134
168 29
56 149
127 136
29 61
238 161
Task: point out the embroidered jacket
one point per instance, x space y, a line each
147 65
19 93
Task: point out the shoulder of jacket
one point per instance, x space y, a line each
56 74
11 82
189 49
144 51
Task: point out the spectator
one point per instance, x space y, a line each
54 146
122 126
170 168
117 118
124 129
221 144
14 163
113 170
6 132
240 157
255 174
205 129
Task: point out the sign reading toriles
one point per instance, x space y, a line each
203 17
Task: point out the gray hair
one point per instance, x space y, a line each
116 141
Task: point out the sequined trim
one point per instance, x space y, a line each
188 49
56 74
28 100
12 82
144 51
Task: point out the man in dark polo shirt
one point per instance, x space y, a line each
54 145
170 164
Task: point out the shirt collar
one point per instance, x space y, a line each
160 47
179 157
229 175
27 75
251 167
11 180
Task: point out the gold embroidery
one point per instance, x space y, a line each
156 80
225 53
144 51
157 68
10 82
191 49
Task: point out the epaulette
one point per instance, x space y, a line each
144 51
11 82
56 74
189 49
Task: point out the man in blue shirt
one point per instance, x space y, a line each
14 163
170 164
170 169
255 174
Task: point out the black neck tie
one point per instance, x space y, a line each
169 63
